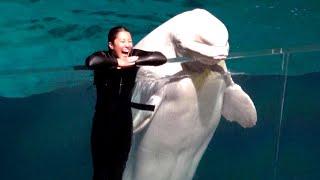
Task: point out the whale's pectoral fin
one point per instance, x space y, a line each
237 106
143 118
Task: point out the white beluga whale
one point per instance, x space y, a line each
189 98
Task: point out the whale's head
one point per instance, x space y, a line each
199 35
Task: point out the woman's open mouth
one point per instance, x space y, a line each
125 52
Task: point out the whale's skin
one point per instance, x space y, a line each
189 98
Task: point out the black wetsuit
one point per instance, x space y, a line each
112 122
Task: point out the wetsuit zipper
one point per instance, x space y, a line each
120 85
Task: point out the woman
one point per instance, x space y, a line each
114 76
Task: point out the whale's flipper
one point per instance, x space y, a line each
143 118
149 90
237 106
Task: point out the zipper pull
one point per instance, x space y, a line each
120 86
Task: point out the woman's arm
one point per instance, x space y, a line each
101 60
149 58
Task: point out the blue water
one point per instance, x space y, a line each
263 152
54 33
45 116
46 136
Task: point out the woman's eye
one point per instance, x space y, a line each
124 41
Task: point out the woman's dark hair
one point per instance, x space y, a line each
114 31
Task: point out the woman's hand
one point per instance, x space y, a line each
127 61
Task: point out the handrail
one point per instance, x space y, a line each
239 55
274 51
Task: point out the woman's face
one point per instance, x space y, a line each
122 45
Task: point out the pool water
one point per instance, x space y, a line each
46 106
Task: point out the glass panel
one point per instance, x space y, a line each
46 136
300 147
48 132
238 153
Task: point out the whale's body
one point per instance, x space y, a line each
189 98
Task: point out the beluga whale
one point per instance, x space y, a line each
189 97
